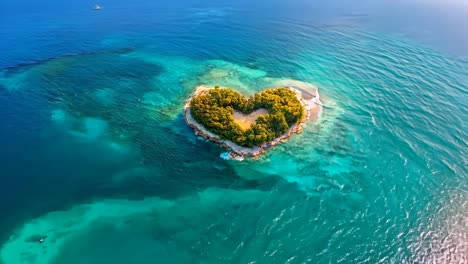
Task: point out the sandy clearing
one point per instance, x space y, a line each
245 121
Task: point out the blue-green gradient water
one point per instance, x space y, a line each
97 161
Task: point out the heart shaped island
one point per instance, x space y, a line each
248 126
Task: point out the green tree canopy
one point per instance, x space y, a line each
214 110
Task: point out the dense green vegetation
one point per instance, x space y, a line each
214 110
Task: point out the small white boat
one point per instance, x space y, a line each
96 7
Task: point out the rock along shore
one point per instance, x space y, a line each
309 99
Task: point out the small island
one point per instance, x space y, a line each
248 126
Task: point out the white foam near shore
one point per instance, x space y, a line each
228 156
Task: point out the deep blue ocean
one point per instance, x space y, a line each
98 166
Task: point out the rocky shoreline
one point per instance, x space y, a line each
312 107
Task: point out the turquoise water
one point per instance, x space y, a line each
97 160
